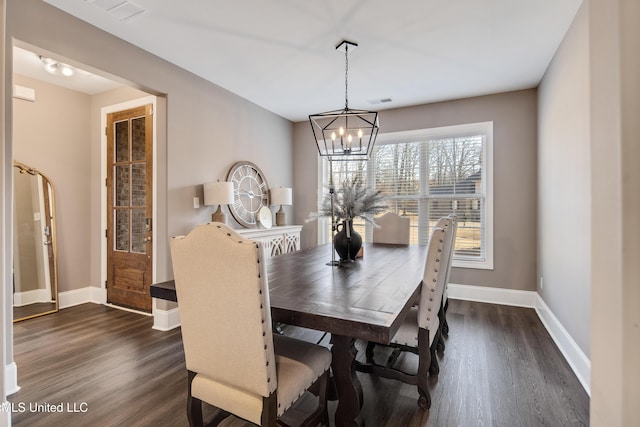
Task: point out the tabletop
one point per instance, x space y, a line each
365 299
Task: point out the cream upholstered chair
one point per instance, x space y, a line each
445 297
392 229
419 330
233 359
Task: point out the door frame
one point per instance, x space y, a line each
103 192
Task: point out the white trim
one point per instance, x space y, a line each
165 320
82 296
575 357
11 378
31 297
493 295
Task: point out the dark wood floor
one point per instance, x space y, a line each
500 368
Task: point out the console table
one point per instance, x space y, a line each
276 240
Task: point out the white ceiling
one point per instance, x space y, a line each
29 63
280 54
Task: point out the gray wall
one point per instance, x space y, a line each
515 188
208 128
564 183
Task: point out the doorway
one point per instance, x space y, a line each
130 207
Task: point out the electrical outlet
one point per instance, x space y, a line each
196 202
541 283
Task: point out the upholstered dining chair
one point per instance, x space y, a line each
445 296
448 224
419 330
392 229
234 361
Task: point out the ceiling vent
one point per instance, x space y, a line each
123 10
380 101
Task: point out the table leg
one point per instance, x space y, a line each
347 383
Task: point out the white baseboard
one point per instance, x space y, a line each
11 378
574 356
31 297
165 320
493 295
81 296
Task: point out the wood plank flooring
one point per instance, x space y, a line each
500 368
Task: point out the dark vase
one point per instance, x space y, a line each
347 244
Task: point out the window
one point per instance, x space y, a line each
430 173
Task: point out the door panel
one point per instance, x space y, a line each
129 207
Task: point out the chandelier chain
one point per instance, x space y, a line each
346 76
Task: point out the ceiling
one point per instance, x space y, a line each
280 54
30 64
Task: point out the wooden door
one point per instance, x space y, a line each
129 207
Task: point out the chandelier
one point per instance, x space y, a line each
345 134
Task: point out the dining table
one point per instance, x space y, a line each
365 299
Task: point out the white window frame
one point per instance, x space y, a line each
470 129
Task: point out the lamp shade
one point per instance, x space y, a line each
281 196
218 193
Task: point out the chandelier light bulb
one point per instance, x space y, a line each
341 131
359 133
333 136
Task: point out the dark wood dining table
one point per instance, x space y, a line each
366 299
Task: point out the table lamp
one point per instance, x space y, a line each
218 193
281 196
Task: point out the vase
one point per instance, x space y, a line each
347 241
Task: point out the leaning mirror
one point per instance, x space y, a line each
35 275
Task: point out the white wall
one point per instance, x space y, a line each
564 183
